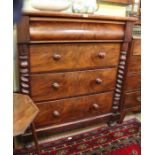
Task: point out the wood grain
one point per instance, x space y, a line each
73 56
133 82
77 16
132 99
134 64
73 109
61 85
24 112
71 30
125 2
137 47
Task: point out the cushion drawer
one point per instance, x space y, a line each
133 82
48 29
132 99
66 110
53 57
60 85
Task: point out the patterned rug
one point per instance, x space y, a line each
122 139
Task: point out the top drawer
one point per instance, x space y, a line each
52 29
54 57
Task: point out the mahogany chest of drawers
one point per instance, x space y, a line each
72 66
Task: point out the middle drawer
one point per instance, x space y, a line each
60 85
55 57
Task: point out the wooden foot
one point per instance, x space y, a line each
122 117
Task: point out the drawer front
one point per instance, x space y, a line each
137 47
53 57
133 82
61 85
67 110
132 99
134 64
49 29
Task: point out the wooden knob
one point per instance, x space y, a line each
56 56
98 81
101 54
139 99
56 85
56 113
95 106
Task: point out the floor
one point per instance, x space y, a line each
69 134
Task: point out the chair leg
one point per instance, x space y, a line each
35 138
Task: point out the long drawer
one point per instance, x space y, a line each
54 57
47 29
67 84
132 99
133 81
66 110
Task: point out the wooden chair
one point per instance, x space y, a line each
24 112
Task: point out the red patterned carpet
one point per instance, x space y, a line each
124 139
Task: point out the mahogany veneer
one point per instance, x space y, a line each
66 110
68 84
132 99
73 56
73 66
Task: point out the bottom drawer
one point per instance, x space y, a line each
132 99
67 110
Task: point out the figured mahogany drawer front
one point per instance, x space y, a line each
134 64
60 85
133 82
67 110
53 57
48 29
137 47
132 99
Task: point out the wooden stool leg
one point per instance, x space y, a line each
35 138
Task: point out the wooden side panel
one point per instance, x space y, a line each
132 99
61 85
137 47
55 57
134 64
23 34
133 82
62 111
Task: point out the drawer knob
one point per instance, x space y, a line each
139 99
56 113
55 85
95 106
98 81
56 57
101 54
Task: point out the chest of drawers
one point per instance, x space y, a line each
72 66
